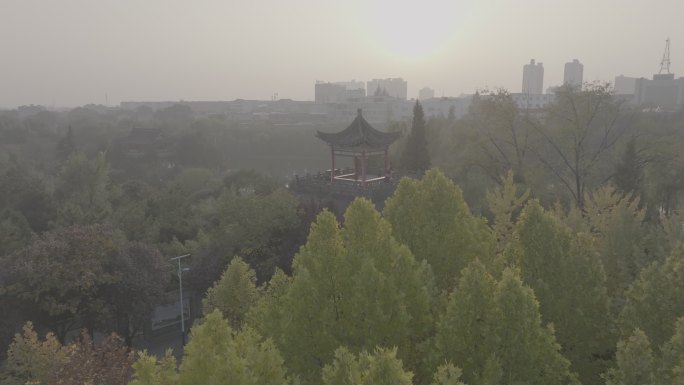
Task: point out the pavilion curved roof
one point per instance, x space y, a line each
359 134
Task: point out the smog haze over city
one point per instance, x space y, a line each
366 192
75 52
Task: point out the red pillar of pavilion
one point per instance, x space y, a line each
363 167
332 171
356 167
386 162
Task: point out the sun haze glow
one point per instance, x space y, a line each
75 52
417 31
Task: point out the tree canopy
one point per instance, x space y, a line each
415 156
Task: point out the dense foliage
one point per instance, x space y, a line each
548 251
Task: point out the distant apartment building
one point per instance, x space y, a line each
393 87
335 92
378 110
353 85
624 85
326 92
573 73
426 93
662 91
533 78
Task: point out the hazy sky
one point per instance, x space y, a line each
73 52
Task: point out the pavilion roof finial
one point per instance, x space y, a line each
358 112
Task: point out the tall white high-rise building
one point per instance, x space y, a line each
574 71
533 78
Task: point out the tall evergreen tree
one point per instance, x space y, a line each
355 287
381 367
672 362
233 294
15 231
268 315
503 202
617 225
656 299
527 351
568 279
466 334
217 355
432 219
493 329
415 156
634 359
629 171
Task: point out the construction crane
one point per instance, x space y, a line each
665 63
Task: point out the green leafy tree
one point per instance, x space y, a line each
107 362
32 360
149 371
655 300
382 367
635 364
269 315
617 225
234 294
355 287
415 156
142 277
467 332
447 374
432 219
259 228
56 280
527 351
494 330
672 234
503 202
87 275
250 181
131 211
568 279
629 170
217 355
22 190
672 361
35 361
15 231
82 190
663 173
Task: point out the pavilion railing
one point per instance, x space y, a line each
320 184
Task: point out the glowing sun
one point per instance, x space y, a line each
417 30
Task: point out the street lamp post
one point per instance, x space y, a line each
180 290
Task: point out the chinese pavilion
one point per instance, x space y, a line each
359 141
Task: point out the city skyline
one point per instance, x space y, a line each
74 52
